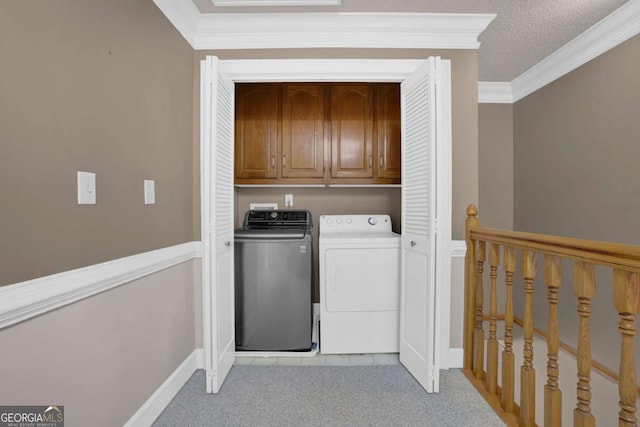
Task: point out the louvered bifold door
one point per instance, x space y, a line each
419 320
217 107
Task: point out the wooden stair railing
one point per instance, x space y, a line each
624 260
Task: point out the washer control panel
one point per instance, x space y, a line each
277 218
353 223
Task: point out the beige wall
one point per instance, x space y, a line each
464 114
576 157
98 86
104 356
495 142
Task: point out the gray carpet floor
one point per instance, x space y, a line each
327 396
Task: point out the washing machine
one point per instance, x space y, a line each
274 281
359 259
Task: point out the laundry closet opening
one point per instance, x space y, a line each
423 203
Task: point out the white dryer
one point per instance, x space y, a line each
359 284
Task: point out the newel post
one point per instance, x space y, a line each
469 285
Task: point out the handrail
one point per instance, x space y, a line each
499 248
613 255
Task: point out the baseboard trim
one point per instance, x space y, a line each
456 358
153 407
21 301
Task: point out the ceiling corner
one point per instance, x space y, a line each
184 15
495 93
606 34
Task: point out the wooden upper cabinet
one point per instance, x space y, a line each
351 131
302 130
256 131
388 132
317 133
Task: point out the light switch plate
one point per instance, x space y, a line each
288 199
86 188
149 192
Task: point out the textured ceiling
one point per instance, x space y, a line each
523 33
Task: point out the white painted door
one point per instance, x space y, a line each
420 324
217 221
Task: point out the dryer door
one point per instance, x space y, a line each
362 279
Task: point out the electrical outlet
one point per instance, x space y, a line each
86 188
149 192
288 200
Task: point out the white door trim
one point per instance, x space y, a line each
394 70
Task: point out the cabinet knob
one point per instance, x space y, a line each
227 243
413 243
273 161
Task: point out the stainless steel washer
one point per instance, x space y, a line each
274 281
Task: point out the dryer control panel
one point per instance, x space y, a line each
355 223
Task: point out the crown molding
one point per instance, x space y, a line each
316 30
495 93
608 33
391 30
184 15
340 30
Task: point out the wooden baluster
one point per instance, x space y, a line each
492 346
527 372
552 393
584 287
470 290
626 300
478 332
508 358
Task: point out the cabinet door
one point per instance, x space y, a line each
351 131
256 139
388 132
302 130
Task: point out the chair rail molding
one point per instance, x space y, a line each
458 249
23 300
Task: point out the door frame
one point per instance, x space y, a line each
353 70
